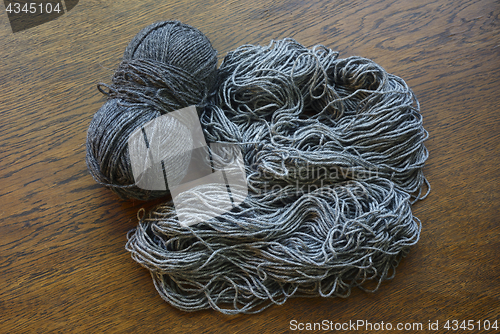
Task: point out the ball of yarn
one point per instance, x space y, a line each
333 150
167 66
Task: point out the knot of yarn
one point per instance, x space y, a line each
151 83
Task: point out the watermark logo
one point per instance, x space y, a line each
170 152
25 14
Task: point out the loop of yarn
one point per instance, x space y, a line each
166 67
333 151
330 112
323 244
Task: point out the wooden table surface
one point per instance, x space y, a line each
63 265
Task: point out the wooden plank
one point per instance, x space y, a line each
63 266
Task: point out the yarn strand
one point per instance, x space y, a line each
333 151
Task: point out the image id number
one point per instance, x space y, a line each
33 8
471 325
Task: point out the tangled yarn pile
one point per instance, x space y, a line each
333 152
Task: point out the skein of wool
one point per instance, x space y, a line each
167 66
323 111
333 152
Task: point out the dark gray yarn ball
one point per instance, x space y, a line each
167 66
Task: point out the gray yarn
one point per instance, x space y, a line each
305 229
323 244
341 113
166 67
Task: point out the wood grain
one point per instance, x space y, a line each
63 266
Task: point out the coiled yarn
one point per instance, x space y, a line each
166 67
333 151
